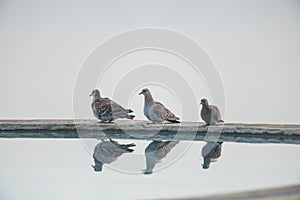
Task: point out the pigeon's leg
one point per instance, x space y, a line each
205 125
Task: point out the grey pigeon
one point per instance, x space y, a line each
105 109
210 152
156 111
107 152
155 152
210 113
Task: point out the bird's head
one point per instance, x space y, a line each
204 102
206 163
98 166
95 93
145 92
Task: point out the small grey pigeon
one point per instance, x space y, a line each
107 152
155 152
105 109
156 111
210 113
210 152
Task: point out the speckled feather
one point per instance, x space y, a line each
107 110
107 152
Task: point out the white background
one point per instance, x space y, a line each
254 44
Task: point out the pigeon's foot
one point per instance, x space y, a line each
205 125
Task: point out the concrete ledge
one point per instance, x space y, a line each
127 129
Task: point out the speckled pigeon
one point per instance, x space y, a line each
210 113
105 109
210 153
156 111
155 152
107 152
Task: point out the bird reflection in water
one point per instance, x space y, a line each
155 152
210 153
107 152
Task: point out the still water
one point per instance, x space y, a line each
138 169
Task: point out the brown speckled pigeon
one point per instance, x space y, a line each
105 109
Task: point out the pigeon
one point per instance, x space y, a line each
210 152
105 109
107 152
156 111
155 152
210 113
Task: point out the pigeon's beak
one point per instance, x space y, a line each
91 94
200 103
140 93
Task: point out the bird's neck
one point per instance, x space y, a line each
148 98
205 106
96 97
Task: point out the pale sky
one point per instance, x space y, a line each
255 46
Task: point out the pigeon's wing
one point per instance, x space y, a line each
117 108
162 112
103 107
207 149
123 147
154 146
165 149
103 154
212 150
107 106
156 151
109 151
218 150
216 113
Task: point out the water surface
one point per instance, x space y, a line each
61 169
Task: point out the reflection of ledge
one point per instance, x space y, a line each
282 193
253 133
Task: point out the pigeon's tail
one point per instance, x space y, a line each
126 147
130 145
173 120
130 116
129 110
129 150
221 120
